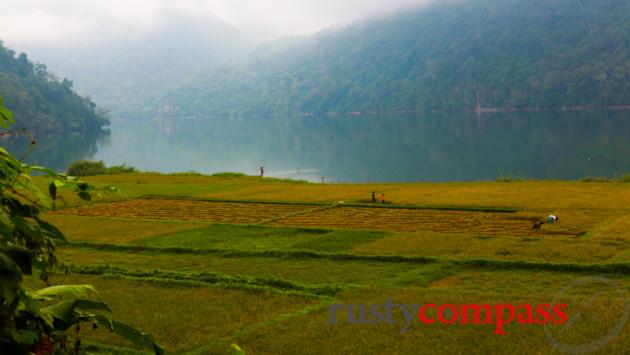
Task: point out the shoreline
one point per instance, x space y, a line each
477 111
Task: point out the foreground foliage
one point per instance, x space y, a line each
39 320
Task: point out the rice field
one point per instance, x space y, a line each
121 231
409 220
347 338
185 210
298 270
344 217
205 262
184 317
534 248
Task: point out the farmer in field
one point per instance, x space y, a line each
262 171
551 219
383 198
373 197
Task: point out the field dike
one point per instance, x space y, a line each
491 264
207 278
235 253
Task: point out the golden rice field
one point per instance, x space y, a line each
200 275
182 317
534 195
536 248
410 220
103 230
371 218
186 210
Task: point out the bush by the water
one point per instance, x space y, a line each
90 168
624 178
229 175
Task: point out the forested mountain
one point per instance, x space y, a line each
42 102
128 74
455 55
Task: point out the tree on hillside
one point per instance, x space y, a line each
504 54
42 101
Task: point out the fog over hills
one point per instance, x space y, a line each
125 54
473 55
126 75
454 55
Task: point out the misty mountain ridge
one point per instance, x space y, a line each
478 54
456 55
129 74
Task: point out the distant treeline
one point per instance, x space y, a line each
464 55
42 102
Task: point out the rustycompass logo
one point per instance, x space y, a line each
584 316
431 314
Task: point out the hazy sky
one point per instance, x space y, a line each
39 22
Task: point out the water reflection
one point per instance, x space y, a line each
56 151
434 147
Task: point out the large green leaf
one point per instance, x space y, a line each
29 228
25 336
19 207
131 334
67 312
51 231
35 308
58 292
10 279
22 257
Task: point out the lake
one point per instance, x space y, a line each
383 148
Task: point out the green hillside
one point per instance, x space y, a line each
507 54
42 102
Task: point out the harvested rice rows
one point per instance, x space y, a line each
188 210
397 220
407 220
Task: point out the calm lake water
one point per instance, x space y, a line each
432 147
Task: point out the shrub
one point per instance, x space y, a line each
594 179
229 175
624 178
86 168
91 168
505 178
